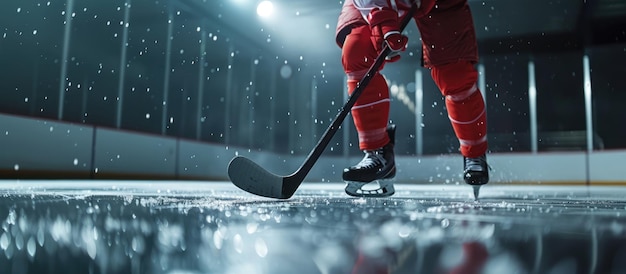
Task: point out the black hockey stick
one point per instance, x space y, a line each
249 176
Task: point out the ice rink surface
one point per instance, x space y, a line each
213 227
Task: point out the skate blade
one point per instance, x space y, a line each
376 189
476 189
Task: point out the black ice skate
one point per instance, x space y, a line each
376 165
476 172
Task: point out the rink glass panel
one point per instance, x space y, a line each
560 101
506 96
94 66
143 84
183 93
609 93
30 54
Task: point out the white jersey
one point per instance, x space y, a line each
366 6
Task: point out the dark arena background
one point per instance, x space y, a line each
119 118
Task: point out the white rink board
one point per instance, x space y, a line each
41 145
121 152
608 166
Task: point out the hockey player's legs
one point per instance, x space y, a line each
450 50
465 105
370 114
466 110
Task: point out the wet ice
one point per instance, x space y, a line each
157 227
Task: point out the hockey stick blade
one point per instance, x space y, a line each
250 177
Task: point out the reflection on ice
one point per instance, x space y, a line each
214 228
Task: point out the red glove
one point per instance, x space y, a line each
385 27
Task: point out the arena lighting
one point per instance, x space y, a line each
265 9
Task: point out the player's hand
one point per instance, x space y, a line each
384 25
397 43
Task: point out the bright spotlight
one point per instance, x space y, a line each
265 9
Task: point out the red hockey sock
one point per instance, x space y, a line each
371 113
466 108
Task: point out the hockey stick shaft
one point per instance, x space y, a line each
297 177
